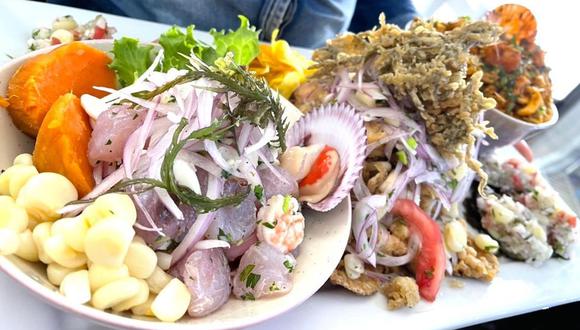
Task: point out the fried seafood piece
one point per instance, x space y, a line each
402 291
364 285
476 263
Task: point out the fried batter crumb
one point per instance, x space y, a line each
456 284
394 246
476 263
399 230
400 292
364 285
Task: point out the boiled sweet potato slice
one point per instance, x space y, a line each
62 143
73 67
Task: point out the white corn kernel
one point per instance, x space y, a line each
501 213
144 309
455 236
141 260
75 232
27 248
57 250
163 260
65 22
62 36
353 266
100 276
107 242
56 273
539 232
158 280
9 242
44 194
5 178
115 292
40 234
23 159
139 239
119 205
75 287
18 178
172 302
486 243
12 215
138 299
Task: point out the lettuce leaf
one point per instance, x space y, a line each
243 42
177 45
130 59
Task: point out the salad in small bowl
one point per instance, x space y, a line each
183 196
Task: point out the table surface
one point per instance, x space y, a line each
20 309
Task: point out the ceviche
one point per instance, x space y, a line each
179 190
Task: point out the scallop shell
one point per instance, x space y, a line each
342 128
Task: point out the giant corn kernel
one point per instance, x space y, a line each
27 248
455 236
75 287
56 273
164 260
144 309
18 177
44 194
12 215
172 302
141 260
23 159
9 242
501 213
158 280
40 234
486 243
138 299
107 242
57 250
115 292
74 232
100 275
118 205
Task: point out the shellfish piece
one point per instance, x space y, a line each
322 177
340 129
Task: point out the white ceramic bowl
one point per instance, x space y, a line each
326 235
511 130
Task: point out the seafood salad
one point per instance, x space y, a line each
178 191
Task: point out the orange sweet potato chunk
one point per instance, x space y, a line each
73 67
62 143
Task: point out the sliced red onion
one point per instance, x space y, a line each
365 216
389 114
211 244
107 183
268 135
165 108
237 251
244 136
215 154
380 276
340 127
98 173
412 249
360 189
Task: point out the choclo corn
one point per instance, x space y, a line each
44 194
23 159
9 241
455 236
485 242
141 260
75 287
501 213
12 215
56 273
27 248
40 234
163 260
63 36
118 205
100 275
172 302
75 232
107 242
115 293
158 280
19 175
144 309
57 250
138 299
539 232
353 266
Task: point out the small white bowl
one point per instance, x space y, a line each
326 236
511 130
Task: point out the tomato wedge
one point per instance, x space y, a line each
430 261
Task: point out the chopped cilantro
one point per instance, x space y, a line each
286 206
248 296
289 266
270 224
226 174
225 237
108 142
259 191
453 183
252 280
273 287
402 157
412 143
